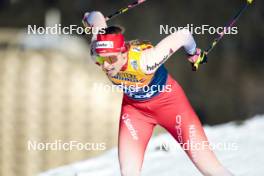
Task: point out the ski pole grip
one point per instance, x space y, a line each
250 1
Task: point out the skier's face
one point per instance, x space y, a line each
113 62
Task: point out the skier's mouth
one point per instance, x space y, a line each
110 71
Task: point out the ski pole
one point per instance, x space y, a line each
125 9
230 24
203 56
119 12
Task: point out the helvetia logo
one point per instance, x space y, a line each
104 44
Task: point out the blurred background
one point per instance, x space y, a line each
47 81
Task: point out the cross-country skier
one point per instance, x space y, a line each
151 96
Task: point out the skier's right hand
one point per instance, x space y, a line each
199 57
94 19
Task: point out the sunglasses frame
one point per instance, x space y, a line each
108 59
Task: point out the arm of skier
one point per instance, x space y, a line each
154 57
95 20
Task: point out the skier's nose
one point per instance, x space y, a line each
106 65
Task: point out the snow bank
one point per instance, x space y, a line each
242 153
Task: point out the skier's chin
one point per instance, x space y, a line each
111 73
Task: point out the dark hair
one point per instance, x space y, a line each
121 30
114 30
139 42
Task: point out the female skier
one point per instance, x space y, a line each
151 96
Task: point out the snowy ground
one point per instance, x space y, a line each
243 154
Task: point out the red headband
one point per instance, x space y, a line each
110 43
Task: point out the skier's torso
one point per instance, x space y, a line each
137 84
145 69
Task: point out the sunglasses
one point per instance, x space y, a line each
109 59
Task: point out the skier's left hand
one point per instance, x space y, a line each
198 58
94 19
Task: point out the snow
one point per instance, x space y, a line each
243 154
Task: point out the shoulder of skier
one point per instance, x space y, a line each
154 57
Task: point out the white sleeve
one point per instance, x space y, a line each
152 58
